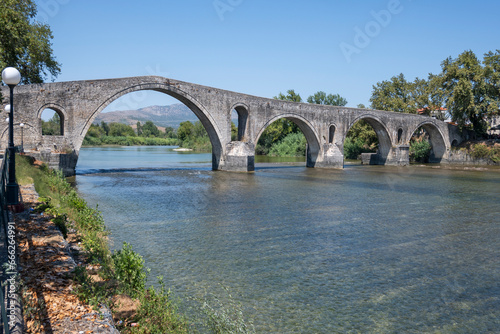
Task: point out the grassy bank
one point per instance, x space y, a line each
121 274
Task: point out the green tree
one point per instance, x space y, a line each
400 95
170 132
121 130
234 132
26 43
52 127
95 131
199 130
185 130
149 130
393 95
330 99
470 89
279 129
290 96
105 128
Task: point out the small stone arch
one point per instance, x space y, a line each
312 138
384 139
436 139
59 110
242 111
400 136
331 134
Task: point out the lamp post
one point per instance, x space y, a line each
11 77
22 137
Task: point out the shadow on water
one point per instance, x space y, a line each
136 170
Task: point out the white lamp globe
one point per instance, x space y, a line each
21 125
7 108
11 76
7 119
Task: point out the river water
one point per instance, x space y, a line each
366 249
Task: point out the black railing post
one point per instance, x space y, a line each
12 186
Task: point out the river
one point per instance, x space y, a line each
366 249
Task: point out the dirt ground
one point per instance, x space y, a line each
46 263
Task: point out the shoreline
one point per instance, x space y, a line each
47 261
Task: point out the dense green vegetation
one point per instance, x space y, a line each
467 87
194 136
361 138
52 127
25 43
284 137
124 135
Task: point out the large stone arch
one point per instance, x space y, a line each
436 138
312 137
196 107
384 138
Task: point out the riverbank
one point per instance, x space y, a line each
69 275
47 262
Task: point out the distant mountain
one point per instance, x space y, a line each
163 116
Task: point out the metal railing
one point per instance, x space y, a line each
4 219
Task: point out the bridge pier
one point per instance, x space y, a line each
240 157
65 162
398 156
332 157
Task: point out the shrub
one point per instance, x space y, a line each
158 313
293 145
480 151
420 150
354 146
129 270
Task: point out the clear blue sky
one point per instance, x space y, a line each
262 47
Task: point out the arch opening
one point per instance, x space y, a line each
239 117
206 123
427 144
400 136
52 122
287 139
331 134
367 140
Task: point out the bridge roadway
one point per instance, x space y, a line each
325 127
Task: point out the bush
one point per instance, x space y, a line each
157 313
293 145
480 151
420 150
354 146
129 270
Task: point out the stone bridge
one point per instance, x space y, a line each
325 127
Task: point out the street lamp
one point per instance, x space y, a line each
22 137
11 77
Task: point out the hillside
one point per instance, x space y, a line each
171 115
